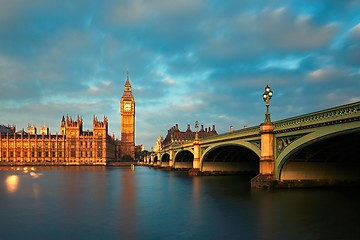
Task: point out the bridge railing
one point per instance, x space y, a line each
344 112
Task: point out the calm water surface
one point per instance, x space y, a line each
117 203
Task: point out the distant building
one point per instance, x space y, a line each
175 136
72 146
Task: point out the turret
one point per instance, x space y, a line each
31 129
100 128
44 130
188 128
63 126
72 128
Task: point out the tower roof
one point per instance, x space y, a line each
127 82
127 88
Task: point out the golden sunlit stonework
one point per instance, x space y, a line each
126 147
72 146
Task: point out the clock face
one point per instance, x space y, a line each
127 107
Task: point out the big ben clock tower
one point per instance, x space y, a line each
127 110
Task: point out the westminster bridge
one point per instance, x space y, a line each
316 148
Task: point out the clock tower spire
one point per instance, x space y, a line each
127 112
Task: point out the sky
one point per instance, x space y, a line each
188 60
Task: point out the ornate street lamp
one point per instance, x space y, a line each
196 129
267 95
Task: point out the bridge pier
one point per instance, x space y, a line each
266 177
158 159
267 164
152 159
171 158
196 161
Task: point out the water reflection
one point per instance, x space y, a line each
128 204
117 203
36 190
12 183
266 217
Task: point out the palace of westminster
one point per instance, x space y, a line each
73 146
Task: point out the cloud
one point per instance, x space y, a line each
283 30
139 11
169 81
349 51
329 74
128 12
250 36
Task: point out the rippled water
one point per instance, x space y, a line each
117 203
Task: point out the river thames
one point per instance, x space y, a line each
117 203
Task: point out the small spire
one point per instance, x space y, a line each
127 82
127 86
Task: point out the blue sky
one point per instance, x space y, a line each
188 60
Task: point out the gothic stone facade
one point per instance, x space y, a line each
72 146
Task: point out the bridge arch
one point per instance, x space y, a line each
321 155
165 159
184 159
156 160
232 157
